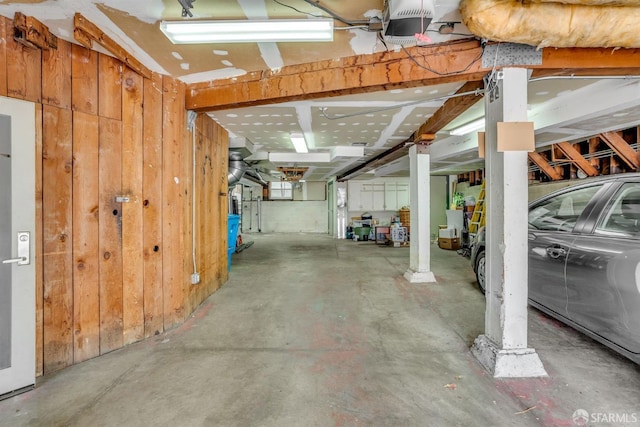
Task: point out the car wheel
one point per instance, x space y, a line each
481 271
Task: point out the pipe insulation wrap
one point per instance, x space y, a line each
553 24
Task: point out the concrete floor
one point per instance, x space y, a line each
311 331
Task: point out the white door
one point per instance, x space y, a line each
17 242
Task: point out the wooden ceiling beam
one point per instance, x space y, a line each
85 32
452 108
577 158
415 66
544 166
621 148
33 33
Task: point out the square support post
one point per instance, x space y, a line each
420 250
503 349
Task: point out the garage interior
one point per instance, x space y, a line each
133 133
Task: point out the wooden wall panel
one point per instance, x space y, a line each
57 238
86 293
109 87
38 245
211 209
188 265
84 80
4 23
173 187
222 158
24 70
152 206
103 132
110 234
132 221
56 76
204 190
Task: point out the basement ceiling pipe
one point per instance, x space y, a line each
237 168
542 23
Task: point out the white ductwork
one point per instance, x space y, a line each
542 23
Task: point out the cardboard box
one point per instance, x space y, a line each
450 244
447 233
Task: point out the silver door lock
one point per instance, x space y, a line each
23 250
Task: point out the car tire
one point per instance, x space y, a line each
481 270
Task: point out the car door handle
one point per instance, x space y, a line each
556 252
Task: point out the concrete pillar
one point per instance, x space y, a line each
420 250
503 348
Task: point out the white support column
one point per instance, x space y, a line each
503 348
420 250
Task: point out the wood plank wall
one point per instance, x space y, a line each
111 273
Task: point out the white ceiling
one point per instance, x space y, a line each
562 109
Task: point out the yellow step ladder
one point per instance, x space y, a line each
478 216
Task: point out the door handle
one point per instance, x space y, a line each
14 260
24 247
556 252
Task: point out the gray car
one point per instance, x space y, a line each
584 259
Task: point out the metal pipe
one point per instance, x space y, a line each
259 201
250 208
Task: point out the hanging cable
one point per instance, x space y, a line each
191 117
439 73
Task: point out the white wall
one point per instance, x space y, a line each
294 217
438 206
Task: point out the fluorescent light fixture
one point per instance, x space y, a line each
469 127
297 139
248 31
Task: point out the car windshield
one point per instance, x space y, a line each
560 213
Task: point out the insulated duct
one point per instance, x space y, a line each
237 168
542 23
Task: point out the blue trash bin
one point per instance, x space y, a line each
233 222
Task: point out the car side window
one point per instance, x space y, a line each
622 215
561 212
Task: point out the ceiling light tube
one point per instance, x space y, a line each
469 127
297 139
248 31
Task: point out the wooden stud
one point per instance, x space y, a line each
56 76
57 239
152 206
24 71
84 80
577 158
33 33
86 251
622 149
132 221
110 234
593 148
85 29
109 87
544 166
